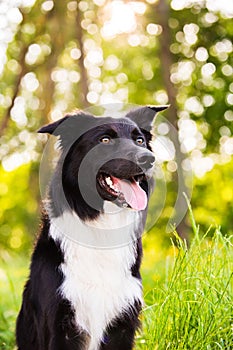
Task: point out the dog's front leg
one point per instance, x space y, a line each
121 335
119 339
68 341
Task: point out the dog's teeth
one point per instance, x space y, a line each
108 181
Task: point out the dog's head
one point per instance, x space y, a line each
103 159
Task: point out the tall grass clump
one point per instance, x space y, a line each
191 306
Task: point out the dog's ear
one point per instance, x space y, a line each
144 116
70 128
67 124
51 128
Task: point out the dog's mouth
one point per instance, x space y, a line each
125 192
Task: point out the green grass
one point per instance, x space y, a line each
191 305
13 273
188 296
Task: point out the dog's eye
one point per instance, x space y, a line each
105 139
140 140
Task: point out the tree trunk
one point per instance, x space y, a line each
56 28
163 10
82 68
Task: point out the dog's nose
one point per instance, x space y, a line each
146 160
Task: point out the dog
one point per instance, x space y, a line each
84 290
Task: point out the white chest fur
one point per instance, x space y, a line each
97 282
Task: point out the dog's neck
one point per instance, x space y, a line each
113 228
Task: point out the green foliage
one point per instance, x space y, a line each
212 199
19 214
217 85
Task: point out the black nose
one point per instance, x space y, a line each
146 160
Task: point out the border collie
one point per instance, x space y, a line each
84 290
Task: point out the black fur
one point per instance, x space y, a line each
46 320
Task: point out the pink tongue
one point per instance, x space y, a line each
133 193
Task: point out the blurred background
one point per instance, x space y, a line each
56 56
